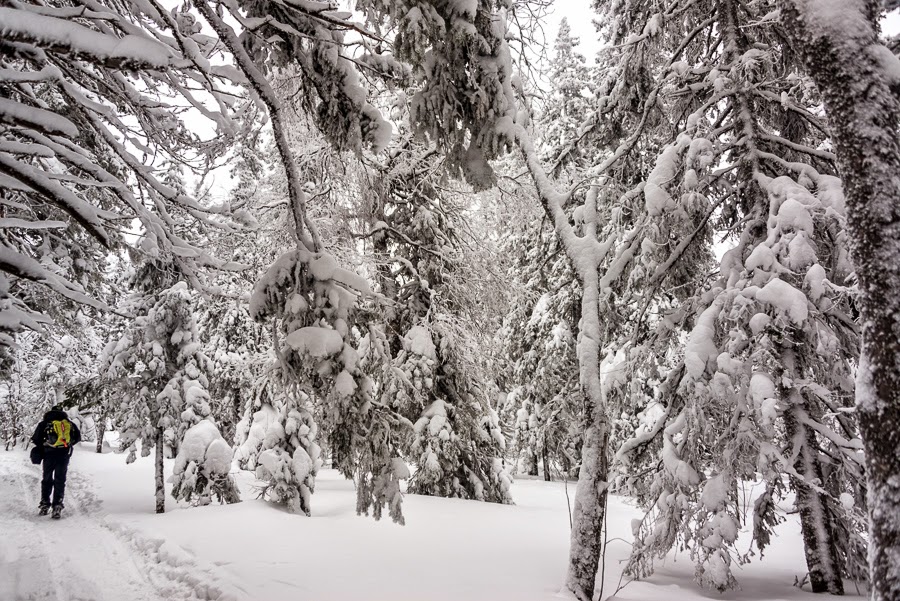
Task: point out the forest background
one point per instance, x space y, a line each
451 252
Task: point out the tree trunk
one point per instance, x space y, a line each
532 462
160 482
848 64
13 435
819 543
545 458
589 510
815 515
586 253
101 432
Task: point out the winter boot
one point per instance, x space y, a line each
43 509
57 512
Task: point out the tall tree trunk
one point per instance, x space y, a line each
848 63
545 458
160 482
819 544
586 253
589 510
815 515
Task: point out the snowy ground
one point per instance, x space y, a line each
111 546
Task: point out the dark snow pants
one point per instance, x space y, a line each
56 464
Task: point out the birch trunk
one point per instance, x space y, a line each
845 58
586 253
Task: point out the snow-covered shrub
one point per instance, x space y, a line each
277 441
202 467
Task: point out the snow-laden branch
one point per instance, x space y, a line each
68 37
264 90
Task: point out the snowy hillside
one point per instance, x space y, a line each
111 546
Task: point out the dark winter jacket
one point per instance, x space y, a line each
40 433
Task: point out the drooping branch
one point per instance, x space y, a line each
263 89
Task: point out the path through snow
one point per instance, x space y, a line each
110 562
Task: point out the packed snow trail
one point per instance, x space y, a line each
83 556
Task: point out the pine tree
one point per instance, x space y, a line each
277 438
312 304
538 337
568 105
236 347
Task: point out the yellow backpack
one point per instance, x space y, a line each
59 433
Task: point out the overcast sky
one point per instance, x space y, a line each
581 20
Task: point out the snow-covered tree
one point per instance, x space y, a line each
567 106
732 123
277 438
159 369
312 303
538 341
79 156
437 376
236 347
458 57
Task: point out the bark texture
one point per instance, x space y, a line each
101 433
812 503
545 458
160 481
844 56
816 517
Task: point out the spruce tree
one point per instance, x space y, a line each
159 367
738 143
436 379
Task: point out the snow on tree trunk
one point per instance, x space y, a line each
812 501
857 77
585 252
586 542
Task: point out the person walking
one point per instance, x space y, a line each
56 437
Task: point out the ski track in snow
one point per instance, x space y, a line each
84 556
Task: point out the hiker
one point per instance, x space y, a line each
55 437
